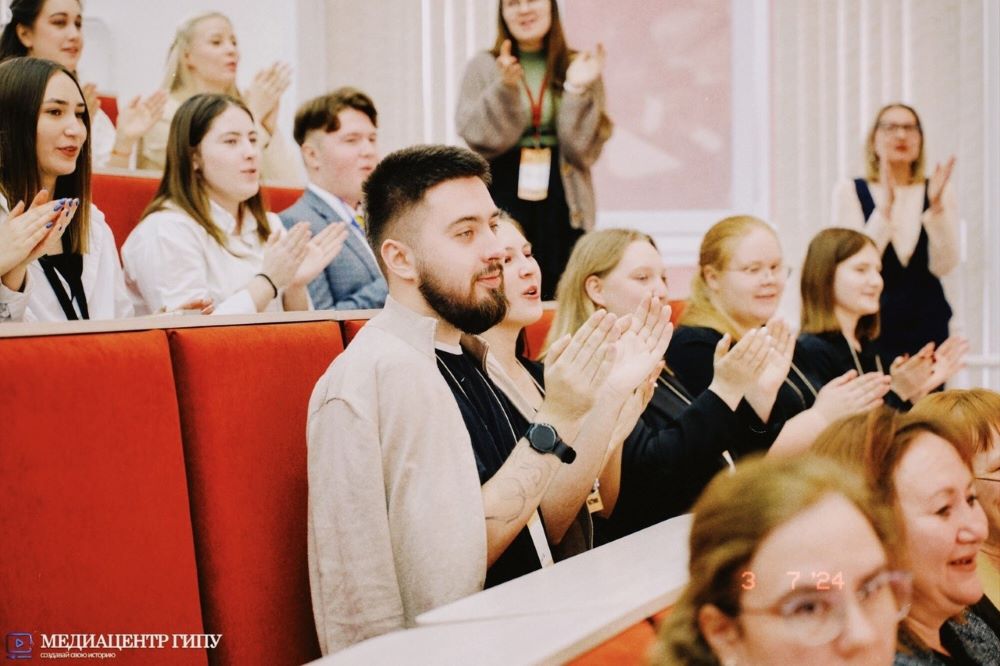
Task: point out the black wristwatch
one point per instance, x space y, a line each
544 439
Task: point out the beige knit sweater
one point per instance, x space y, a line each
492 117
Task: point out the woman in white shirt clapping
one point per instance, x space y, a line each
71 271
206 234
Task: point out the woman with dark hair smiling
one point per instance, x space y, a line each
841 285
53 29
535 109
206 234
45 152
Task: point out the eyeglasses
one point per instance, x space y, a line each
817 617
758 271
516 4
892 128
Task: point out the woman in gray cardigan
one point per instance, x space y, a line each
536 110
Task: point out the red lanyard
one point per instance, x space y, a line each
536 105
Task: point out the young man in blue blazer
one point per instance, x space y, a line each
337 134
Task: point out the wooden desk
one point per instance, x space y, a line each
645 571
548 616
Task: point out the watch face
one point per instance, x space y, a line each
543 438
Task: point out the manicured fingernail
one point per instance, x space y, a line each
49 225
59 205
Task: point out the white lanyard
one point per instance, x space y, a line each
535 528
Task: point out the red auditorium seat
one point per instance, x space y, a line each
109 105
122 198
351 328
96 524
630 647
243 393
677 309
534 335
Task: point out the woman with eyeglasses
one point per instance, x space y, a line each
841 285
914 222
535 108
915 466
682 439
740 280
972 417
792 561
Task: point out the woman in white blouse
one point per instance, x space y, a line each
206 234
53 29
914 223
72 270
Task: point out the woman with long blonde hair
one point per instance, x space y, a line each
682 439
203 58
913 220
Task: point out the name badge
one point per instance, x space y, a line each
533 176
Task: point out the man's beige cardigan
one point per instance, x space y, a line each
396 520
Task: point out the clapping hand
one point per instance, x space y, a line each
284 253
320 251
91 97
850 394
937 181
949 358
576 368
139 115
586 67
511 71
265 91
23 235
778 361
736 370
888 184
641 346
911 374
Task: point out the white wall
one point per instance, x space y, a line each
835 64
127 58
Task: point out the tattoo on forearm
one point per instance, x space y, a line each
523 486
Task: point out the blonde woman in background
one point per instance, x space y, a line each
914 222
204 58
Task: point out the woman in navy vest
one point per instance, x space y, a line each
914 223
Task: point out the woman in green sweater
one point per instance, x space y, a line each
535 109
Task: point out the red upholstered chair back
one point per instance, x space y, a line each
277 199
534 335
351 328
122 198
110 107
94 509
629 648
243 395
677 309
